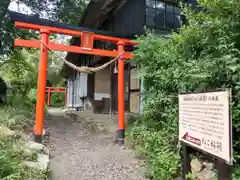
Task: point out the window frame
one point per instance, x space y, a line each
173 13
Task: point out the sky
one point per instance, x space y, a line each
19 8
22 8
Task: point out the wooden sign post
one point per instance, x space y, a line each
205 125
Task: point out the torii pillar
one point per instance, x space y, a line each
42 79
121 111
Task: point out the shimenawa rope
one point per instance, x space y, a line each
84 69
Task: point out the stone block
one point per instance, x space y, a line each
35 146
205 175
179 178
27 152
208 165
41 164
196 165
46 151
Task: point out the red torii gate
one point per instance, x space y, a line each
86 47
55 89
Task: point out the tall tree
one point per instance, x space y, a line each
68 11
3 8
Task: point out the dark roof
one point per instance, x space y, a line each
15 16
94 15
96 12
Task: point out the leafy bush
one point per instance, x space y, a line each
11 154
32 95
203 55
20 71
15 118
57 99
163 160
11 149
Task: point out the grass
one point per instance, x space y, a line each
15 118
11 148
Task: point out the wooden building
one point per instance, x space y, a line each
119 18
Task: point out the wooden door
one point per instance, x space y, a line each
114 90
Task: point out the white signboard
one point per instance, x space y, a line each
205 123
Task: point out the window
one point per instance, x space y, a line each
162 15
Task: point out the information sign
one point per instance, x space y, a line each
205 122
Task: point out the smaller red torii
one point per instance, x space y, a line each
88 37
55 89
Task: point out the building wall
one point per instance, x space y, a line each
102 84
130 19
135 83
134 102
134 91
77 90
127 21
101 101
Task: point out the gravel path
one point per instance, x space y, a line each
79 154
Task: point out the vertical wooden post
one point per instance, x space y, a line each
129 86
186 167
49 96
73 84
121 123
65 98
110 101
223 170
42 78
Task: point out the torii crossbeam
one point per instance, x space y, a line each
88 36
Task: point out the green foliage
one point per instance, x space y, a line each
57 99
6 159
19 68
15 117
157 146
190 176
203 55
11 148
11 154
236 172
20 71
61 10
32 96
70 11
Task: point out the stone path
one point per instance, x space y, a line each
79 154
